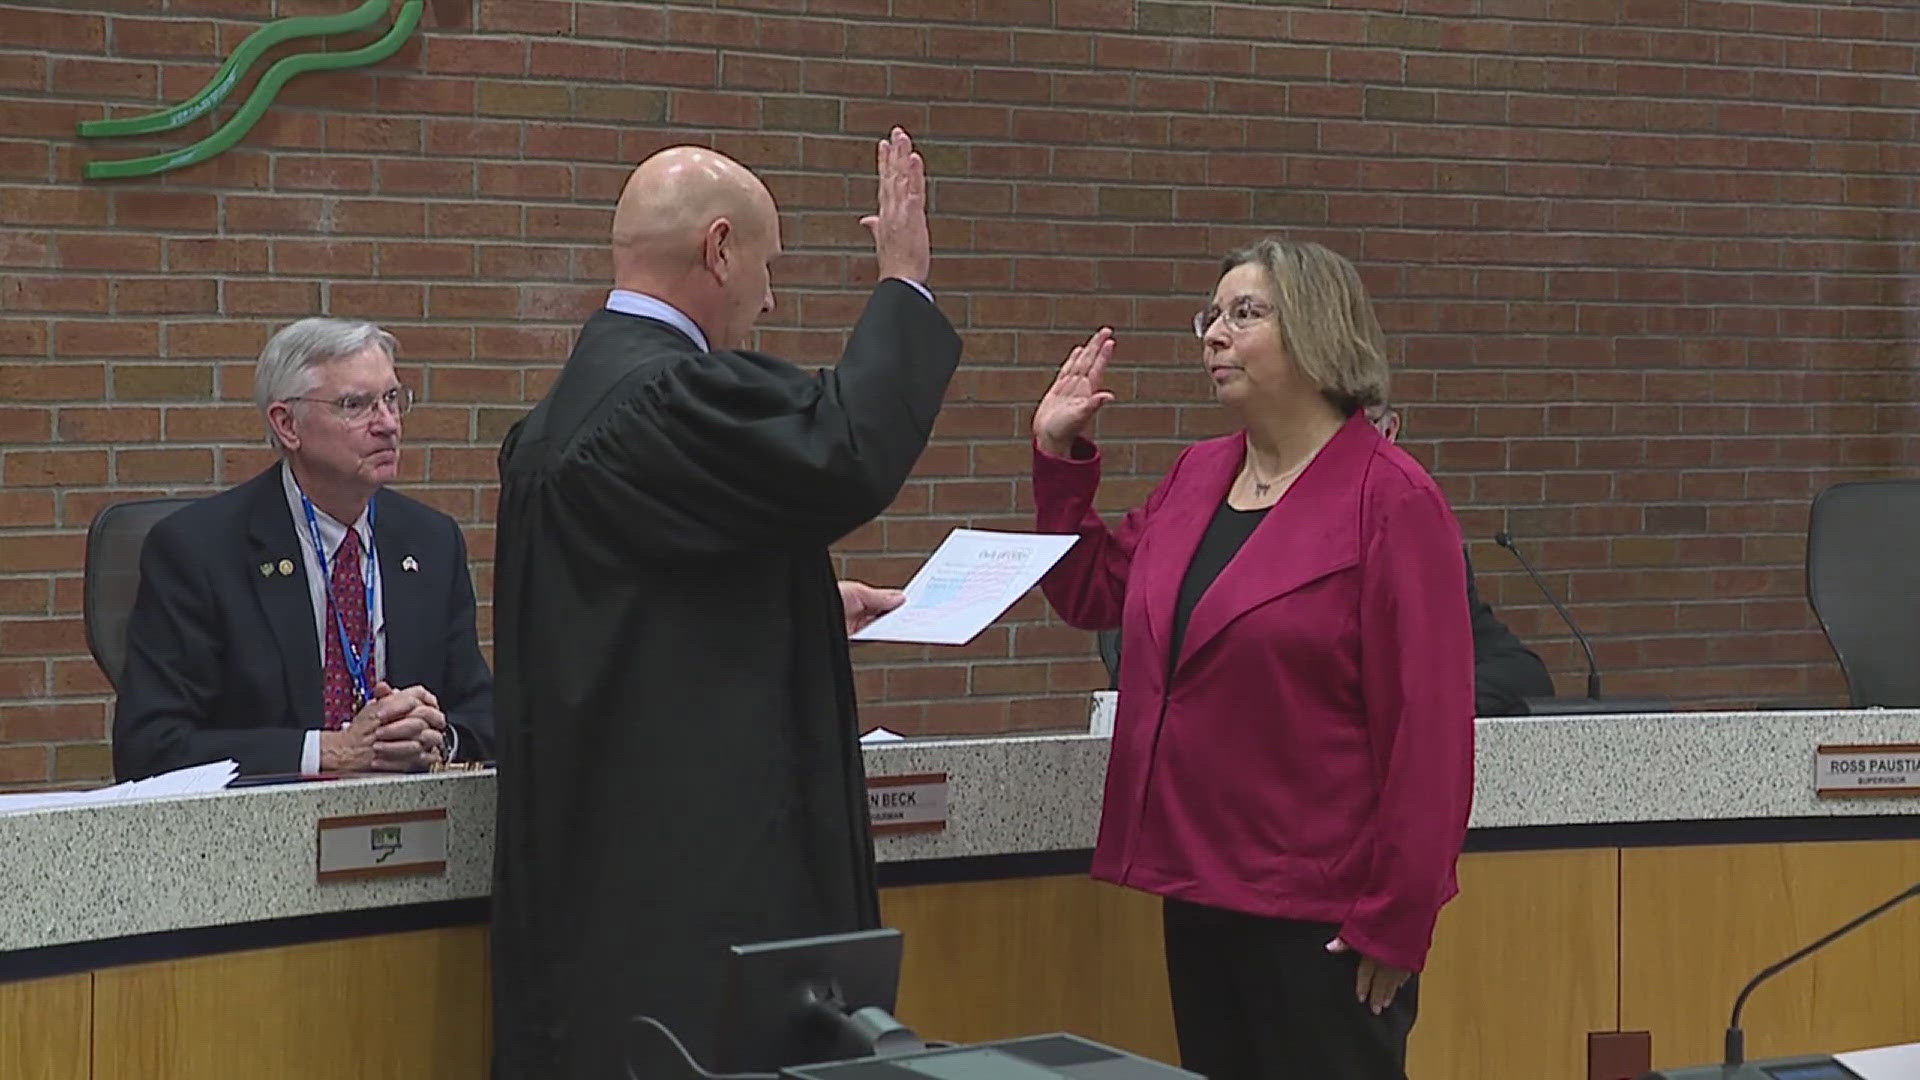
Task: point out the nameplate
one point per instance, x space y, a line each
383 845
1844 771
907 804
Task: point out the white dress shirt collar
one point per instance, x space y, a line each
628 302
331 531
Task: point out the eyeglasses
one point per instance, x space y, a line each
1242 313
357 408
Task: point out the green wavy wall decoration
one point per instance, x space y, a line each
255 46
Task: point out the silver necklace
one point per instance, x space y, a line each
1261 487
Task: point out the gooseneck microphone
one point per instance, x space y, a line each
1505 540
1736 1039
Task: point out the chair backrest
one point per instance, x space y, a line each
112 577
1863 580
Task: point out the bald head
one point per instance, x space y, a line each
697 229
674 196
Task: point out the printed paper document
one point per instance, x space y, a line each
972 578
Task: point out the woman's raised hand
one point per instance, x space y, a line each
1076 394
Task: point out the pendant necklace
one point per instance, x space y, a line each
1261 487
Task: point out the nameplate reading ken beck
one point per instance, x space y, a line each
1876 769
383 845
916 802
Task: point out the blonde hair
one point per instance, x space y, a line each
1327 324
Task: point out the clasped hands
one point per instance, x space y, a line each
398 731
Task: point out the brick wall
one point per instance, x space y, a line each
1648 265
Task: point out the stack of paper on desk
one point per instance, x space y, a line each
193 780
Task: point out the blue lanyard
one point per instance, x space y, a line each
356 661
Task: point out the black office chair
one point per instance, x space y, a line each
112 576
1863 581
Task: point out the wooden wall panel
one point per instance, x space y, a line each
995 959
1523 967
1698 922
1539 949
410 1006
44 1026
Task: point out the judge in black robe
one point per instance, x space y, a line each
679 768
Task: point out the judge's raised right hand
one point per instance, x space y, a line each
1076 394
900 227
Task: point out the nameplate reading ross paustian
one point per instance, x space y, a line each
1852 770
383 845
905 804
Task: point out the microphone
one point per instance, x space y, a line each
1736 1039
1505 540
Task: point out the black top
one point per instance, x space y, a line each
1225 535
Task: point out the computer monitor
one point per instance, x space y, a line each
814 999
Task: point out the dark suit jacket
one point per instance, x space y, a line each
222 661
1505 671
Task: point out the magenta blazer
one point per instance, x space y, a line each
1309 755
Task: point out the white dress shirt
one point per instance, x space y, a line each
331 533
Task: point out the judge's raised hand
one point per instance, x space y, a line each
900 227
863 603
1076 394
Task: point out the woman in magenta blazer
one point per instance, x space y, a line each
1293 753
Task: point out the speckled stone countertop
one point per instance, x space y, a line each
1614 768
247 855
241 855
1590 770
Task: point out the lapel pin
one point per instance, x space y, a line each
409 565
266 569
286 567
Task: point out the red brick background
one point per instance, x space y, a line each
1649 267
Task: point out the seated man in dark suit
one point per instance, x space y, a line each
1505 671
308 620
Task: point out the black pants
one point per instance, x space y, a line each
1262 999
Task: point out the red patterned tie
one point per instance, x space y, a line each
348 590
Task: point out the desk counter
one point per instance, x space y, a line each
247 855
1624 873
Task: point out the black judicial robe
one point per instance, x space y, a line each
679 767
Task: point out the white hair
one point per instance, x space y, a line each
288 365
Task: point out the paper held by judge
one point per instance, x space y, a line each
970 580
